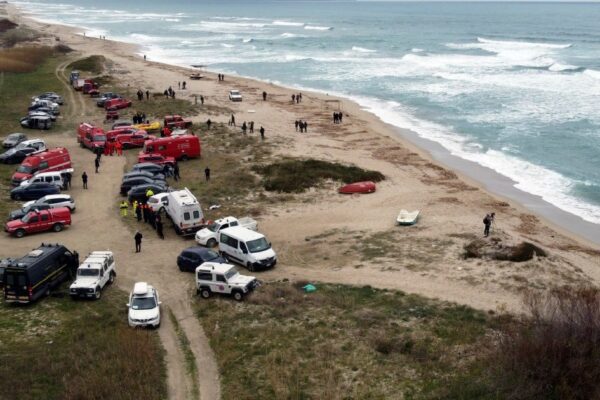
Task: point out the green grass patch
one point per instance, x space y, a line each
296 176
58 348
93 64
344 342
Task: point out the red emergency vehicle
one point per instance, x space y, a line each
116 104
57 159
134 139
176 121
39 221
91 136
180 147
155 159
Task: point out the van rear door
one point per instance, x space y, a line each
16 286
191 217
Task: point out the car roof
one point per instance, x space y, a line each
56 196
143 289
198 250
245 234
219 268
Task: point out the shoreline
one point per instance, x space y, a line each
493 183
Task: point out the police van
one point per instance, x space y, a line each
37 273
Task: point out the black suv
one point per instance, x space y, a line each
138 193
139 180
34 191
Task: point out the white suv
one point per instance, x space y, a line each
54 201
235 95
144 306
97 271
223 278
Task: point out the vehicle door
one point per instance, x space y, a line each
219 284
104 273
189 261
33 225
35 191
15 285
45 222
243 252
233 250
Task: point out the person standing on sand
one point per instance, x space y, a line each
296 123
251 126
184 85
138 241
208 123
293 98
305 127
244 127
262 133
179 85
97 164
201 100
264 96
487 222
84 179
232 120
147 95
207 173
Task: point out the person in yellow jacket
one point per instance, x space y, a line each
124 206
135 206
149 193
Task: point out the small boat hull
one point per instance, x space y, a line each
406 218
358 187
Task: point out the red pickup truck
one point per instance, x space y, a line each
155 158
133 139
54 219
176 121
116 104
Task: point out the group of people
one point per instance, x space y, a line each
301 126
297 98
221 77
249 127
139 118
337 117
182 85
140 95
169 93
201 99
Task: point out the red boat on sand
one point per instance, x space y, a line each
358 187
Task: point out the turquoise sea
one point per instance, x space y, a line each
512 86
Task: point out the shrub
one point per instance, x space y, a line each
6 25
295 176
554 353
524 251
12 37
93 64
23 59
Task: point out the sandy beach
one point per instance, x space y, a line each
452 203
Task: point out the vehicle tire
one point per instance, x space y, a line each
224 255
184 158
57 227
205 293
98 293
111 278
181 268
211 243
20 233
251 267
238 296
126 146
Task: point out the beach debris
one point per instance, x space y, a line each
495 250
214 207
309 288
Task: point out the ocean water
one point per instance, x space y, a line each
512 86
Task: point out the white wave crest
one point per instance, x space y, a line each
288 23
592 73
363 50
248 40
508 43
416 50
288 35
557 67
226 45
318 28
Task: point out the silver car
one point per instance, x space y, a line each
54 201
13 139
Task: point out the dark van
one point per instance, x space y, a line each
28 278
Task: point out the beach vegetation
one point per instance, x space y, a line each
495 250
58 348
6 25
341 342
11 37
93 64
298 175
23 59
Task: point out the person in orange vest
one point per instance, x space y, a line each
112 148
106 148
166 131
119 148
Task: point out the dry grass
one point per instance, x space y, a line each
23 59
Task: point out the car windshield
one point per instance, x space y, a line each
231 273
213 227
143 303
210 255
24 168
99 138
258 245
27 217
88 272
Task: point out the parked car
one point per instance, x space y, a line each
183 208
246 247
104 97
52 106
96 272
213 277
27 207
116 104
176 121
148 166
52 96
54 219
235 95
192 257
209 236
33 191
45 177
138 193
158 202
144 306
128 183
37 144
38 273
16 155
179 147
54 201
120 123
155 159
37 122
13 139
57 159
147 174
42 112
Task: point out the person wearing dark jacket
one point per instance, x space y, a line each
84 179
138 212
138 241
159 229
